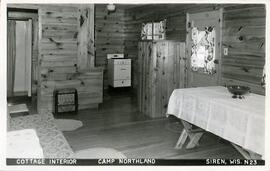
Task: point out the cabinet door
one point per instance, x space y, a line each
161 69
144 53
122 72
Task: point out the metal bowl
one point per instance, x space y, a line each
238 90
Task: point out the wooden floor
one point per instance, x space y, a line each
118 124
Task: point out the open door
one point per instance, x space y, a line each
203 48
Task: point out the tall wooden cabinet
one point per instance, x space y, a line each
161 70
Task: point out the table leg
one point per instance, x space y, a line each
182 139
194 140
193 134
246 153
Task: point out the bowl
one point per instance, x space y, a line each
238 90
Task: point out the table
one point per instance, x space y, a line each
240 121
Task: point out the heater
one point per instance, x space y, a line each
65 100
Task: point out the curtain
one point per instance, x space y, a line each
11 56
203 50
153 31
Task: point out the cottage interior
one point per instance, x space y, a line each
55 46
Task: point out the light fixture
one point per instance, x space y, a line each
111 7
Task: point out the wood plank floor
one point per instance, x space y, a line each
118 124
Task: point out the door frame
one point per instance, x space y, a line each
29 33
188 69
27 14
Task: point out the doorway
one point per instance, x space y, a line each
22 36
203 48
22 52
19 64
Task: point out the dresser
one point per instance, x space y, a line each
119 72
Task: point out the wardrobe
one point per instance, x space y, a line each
162 66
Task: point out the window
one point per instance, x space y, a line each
153 30
203 50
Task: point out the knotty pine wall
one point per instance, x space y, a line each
66 53
243 33
119 32
58 48
244 36
86 37
109 35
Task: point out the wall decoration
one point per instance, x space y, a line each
153 30
203 50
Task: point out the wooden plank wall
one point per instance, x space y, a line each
88 85
246 58
64 44
86 49
58 50
131 46
136 16
244 36
109 35
161 69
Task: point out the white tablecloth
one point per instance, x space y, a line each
240 121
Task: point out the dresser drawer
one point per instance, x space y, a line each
122 83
